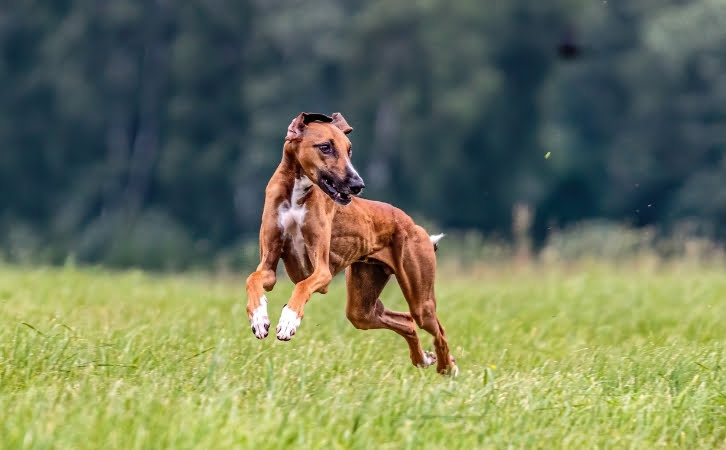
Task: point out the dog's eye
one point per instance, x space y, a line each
326 149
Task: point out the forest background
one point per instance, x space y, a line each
143 132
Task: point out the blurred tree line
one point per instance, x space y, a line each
144 131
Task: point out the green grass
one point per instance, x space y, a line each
609 358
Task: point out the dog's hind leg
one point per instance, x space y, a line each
416 278
423 311
364 309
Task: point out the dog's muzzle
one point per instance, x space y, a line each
341 190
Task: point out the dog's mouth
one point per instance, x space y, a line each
327 184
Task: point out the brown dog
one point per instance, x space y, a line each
314 222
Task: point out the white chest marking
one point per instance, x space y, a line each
291 216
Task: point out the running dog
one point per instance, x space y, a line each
314 221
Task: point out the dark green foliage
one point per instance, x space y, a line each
144 131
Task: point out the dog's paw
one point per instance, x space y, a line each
259 320
453 368
286 327
429 359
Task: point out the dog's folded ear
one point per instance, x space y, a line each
296 127
316 117
295 130
339 121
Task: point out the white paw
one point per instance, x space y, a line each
286 327
429 359
259 320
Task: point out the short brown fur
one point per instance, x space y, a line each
370 240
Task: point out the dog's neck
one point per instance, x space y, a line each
298 183
291 166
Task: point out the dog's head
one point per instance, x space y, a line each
321 147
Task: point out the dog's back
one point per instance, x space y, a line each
372 230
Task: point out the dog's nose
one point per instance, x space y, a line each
356 186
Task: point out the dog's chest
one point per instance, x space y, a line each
291 217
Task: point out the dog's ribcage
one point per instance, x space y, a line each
291 216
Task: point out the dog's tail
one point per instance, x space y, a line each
435 238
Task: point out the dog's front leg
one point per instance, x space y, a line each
319 254
264 278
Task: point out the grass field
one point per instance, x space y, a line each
598 357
